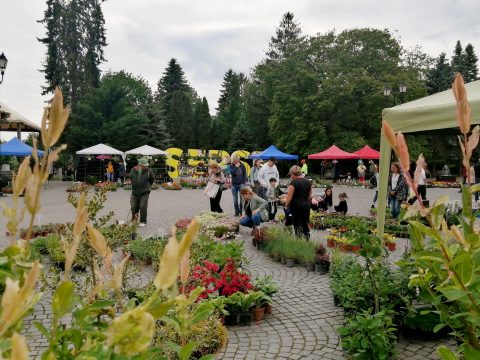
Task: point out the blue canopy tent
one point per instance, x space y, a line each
16 147
273 151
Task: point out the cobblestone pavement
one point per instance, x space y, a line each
304 319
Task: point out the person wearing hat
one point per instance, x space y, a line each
304 167
142 178
254 208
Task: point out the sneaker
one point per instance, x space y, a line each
142 224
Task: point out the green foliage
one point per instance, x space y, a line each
447 268
147 250
209 336
266 285
217 252
369 336
281 242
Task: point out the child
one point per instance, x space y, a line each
342 205
288 214
272 197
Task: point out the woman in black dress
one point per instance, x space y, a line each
215 176
298 200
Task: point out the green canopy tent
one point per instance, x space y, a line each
433 112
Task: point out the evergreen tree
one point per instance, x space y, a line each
230 107
471 68
287 40
440 77
241 136
175 98
203 124
458 59
116 113
75 38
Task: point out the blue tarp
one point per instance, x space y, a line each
16 147
273 151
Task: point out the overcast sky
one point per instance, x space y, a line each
208 37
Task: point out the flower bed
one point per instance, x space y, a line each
78 187
106 185
193 183
171 186
218 226
443 184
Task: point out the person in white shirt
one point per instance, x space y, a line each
421 186
268 171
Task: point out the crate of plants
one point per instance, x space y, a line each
218 226
44 230
106 185
171 186
78 187
193 183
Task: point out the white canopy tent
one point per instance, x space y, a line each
101 149
146 150
16 121
433 112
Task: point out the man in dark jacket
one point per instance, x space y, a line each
239 179
142 178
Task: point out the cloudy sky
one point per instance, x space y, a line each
210 36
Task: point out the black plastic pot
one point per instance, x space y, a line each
245 318
290 262
231 319
321 269
310 266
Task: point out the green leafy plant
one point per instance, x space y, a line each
369 336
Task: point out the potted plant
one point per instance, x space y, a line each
309 259
247 302
259 309
232 306
322 260
389 240
268 287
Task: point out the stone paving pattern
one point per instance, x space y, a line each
304 319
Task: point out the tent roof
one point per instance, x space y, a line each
333 153
16 120
273 151
146 150
433 112
367 153
100 149
16 147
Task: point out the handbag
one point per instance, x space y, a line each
211 190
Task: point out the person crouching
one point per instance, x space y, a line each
254 208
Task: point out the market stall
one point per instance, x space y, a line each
90 164
156 159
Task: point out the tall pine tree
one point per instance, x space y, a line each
458 59
75 39
471 68
440 77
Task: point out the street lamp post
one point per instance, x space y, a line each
3 65
387 91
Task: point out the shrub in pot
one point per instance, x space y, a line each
247 302
259 309
322 260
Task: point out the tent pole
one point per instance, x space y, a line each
385 151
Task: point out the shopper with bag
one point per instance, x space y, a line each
215 182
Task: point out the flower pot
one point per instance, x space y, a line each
268 309
310 266
355 248
330 243
277 258
391 246
344 247
271 255
245 318
258 314
231 319
290 262
283 260
336 300
321 269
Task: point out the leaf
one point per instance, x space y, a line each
157 308
389 134
19 348
97 240
452 293
42 329
402 152
186 351
439 327
63 299
201 313
446 354
462 265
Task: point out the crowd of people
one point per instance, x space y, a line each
258 197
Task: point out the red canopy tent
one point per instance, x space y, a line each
333 153
368 153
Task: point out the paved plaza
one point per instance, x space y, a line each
304 318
